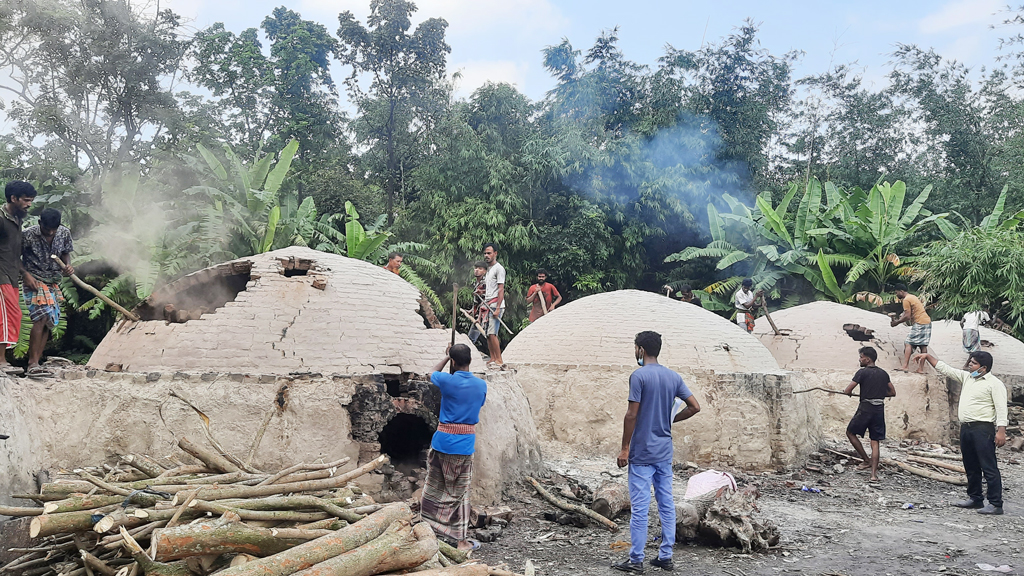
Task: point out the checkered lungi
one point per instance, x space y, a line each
44 303
445 503
920 335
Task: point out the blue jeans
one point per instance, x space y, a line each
641 476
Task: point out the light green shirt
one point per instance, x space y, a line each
981 399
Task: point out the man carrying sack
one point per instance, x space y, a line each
445 502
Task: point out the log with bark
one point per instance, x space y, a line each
256 518
400 546
313 552
958 480
573 507
611 499
937 464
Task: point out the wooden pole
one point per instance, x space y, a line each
573 507
937 464
88 288
819 388
769 316
473 320
958 480
543 304
455 308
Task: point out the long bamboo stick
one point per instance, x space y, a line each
88 288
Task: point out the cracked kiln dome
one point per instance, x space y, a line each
294 310
826 335
599 329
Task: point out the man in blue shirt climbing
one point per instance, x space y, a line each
647 449
445 502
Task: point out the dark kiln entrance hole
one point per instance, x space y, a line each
405 439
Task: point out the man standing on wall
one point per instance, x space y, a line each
394 262
983 417
746 305
19 196
445 502
875 387
971 325
494 300
40 278
647 449
542 289
921 329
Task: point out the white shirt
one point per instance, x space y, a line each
974 319
744 300
494 277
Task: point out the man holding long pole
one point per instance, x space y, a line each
445 502
983 417
494 301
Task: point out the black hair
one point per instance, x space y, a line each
748 282
49 219
491 245
460 355
394 255
685 288
869 352
19 188
983 358
542 271
900 287
649 341
480 264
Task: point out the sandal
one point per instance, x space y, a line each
12 370
39 372
474 545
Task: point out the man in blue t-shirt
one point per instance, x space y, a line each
647 449
445 502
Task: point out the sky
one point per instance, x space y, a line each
501 40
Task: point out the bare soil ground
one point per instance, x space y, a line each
849 528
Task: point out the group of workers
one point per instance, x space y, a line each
489 299
36 257
658 397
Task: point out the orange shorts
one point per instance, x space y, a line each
10 315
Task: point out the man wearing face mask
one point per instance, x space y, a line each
983 416
647 449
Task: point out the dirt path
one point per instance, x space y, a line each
850 528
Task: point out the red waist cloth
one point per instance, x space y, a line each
456 428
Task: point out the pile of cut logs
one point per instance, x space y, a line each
143 517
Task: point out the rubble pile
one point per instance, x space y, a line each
158 517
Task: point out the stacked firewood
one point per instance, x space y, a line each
219 517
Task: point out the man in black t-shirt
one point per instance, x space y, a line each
875 387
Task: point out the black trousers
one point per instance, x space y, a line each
978 447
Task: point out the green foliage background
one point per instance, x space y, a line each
168 150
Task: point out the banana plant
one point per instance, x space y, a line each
874 227
775 243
